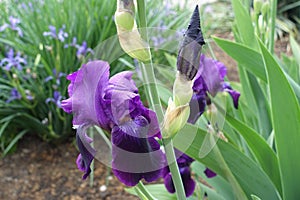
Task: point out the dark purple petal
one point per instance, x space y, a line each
197 106
182 159
235 95
169 183
209 173
135 155
188 183
87 153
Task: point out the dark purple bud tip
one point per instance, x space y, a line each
194 29
189 53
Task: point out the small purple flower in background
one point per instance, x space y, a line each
83 50
56 99
55 76
184 162
73 44
114 104
61 35
13 25
13 60
14 95
52 32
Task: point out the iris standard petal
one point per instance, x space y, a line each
211 74
87 90
120 97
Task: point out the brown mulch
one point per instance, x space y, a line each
40 171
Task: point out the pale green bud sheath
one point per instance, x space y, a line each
257 5
124 16
129 36
265 8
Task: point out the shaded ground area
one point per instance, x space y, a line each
40 171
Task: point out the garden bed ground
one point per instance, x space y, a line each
38 170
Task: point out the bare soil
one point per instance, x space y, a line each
41 171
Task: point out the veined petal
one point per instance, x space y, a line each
211 75
120 96
87 91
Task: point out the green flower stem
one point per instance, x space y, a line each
144 191
171 158
91 134
273 24
148 74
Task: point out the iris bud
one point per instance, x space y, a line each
129 36
124 20
175 118
265 8
188 59
182 90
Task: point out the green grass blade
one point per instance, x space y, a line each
286 122
13 142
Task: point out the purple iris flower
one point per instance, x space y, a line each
13 25
61 35
13 60
184 162
14 94
73 44
114 105
56 99
56 76
82 50
209 79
